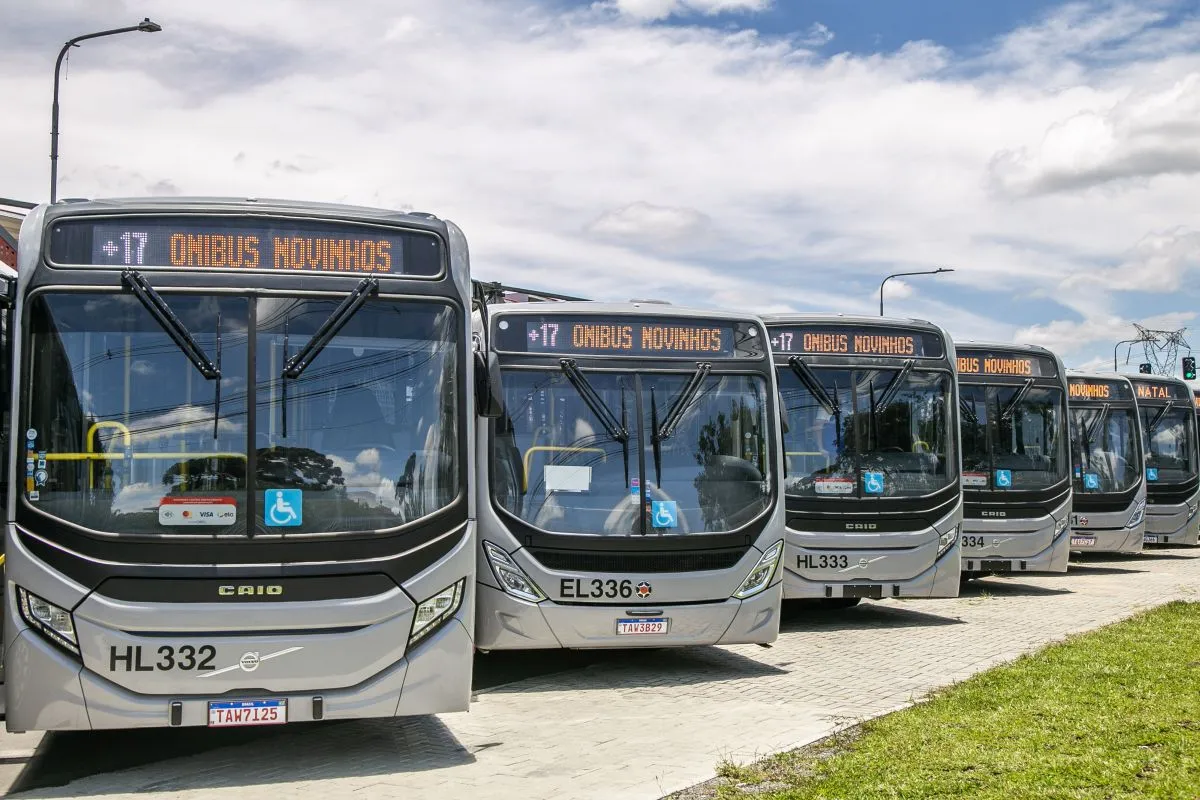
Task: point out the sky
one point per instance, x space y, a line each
759 155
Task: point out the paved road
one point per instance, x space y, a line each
637 724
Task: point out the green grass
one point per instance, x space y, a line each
1114 713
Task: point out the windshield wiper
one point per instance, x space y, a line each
1159 417
594 401
296 365
654 441
968 409
810 381
1089 434
685 398
170 323
217 386
1012 404
893 386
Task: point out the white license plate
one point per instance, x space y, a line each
239 713
1150 538
1083 541
649 626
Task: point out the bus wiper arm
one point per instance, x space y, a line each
806 376
968 409
170 323
893 386
685 398
594 401
1159 417
296 365
1090 434
1011 406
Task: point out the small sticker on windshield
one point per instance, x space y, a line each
1004 479
833 486
872 482
40 477
1091 481
975 479
31 434
566 478
1151 473
284 508
664 513
635 490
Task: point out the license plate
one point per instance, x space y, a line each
649 626
871 591
1083 541
238 713
1150 538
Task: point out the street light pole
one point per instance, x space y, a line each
1117 346
145 26
937 271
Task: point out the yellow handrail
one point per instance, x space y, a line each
550 448
91 446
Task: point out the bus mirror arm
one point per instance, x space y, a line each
489 394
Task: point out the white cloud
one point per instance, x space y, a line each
645 222
661 9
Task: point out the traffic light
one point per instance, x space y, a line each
1144 369
1189 368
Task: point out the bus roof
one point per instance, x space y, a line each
238 204
971 344
830 318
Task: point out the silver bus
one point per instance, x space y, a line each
630 490
1015 438
1169 442
870 434
243 448
1108 508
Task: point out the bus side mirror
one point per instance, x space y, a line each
489 396
8 292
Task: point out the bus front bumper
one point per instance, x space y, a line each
1043 549
1111 540
1172 524
432 678
504 622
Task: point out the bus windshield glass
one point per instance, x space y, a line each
1168 436
560 466
124 433
1104 445
866 432
1012 436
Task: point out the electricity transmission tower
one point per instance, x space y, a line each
1160 348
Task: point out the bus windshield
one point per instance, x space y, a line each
559 464
1012 436
125 435
1104 447
866 432
1168 435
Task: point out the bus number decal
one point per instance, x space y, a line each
824 562
186 658
578 587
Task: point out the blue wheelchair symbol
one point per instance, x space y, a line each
872 482
1151 473
283 508
664 513
1004 479
1091 481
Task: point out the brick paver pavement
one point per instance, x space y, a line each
652 722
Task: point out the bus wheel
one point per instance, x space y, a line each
969 576
840 602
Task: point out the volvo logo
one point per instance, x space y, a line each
994 513
249 662
249 589
861 526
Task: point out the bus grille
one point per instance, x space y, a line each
584 561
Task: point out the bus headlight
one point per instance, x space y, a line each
1139 514
51 621
511 576
432 613
1192 510
760 577
1060 527
947 540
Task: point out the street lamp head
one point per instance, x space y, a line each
943 269
146 26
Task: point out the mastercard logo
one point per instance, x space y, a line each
187 514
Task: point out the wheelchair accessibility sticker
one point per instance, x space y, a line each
664 513
1091 481
1151 473
872 483
284 508
1004 479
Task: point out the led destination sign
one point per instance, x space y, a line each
1100 390
855 341
622 335
244 243
1152 390
1009 365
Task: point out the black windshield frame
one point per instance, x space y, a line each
29 514
1100 415
1004 412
